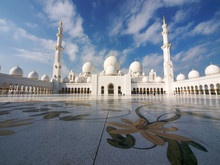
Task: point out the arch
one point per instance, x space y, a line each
88 90
144 91
140 90
148 91
102 90
178 90
192 90
4 89
158 90
206 90
196 90
184 90
137 90
188 90
119 90
218 89
110 88
201 89
212 89
161 90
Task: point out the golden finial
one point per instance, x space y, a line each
135 59
61 22
164 19
17 65
111 53
211 63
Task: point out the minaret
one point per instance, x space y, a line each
57 67
167 65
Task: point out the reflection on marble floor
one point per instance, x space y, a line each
68 129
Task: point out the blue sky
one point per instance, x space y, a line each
93 28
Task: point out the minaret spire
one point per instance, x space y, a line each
57 67
168 65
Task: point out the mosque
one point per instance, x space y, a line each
112 80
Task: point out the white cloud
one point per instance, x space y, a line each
153 61
65 71
141 17
65 10
177 56
31 25
193 53
180 15
71 50
206 27
171 3
152 34
36 56
44 45
5 25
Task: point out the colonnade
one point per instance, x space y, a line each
23 89
210 89
76 90
148 91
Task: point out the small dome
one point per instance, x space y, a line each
135 67
145 79
16 71
212 69
180 77
111 70
66 80
33 75
77 80
158 80
112 60
45 78
193 74
102 73
88 80
88 67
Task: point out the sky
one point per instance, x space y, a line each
131 29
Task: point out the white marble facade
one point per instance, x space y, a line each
112 80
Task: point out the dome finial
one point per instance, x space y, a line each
164 20
211 62
61 22
17 65
135 59
111 53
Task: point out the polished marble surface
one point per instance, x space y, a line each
85 129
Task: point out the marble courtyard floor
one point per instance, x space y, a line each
68 129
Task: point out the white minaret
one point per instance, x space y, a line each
57 66
167 65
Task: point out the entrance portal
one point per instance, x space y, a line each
110 89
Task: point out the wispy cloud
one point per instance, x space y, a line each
152 34
37 43
36 56
138 19
71 50
72 22
153 61
31 25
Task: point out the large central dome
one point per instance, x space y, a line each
112 61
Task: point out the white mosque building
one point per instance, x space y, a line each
112 80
